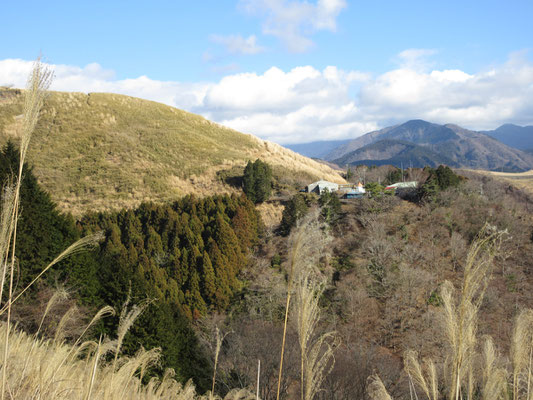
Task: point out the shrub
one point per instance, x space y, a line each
375 189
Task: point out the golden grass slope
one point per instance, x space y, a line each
102 151
522 180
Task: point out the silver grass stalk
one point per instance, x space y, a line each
521 354
413 369
8 197
376 389
127 318
219 338
60 331
432 377
494 385
80 245
316 354
306 243
37 86
461 316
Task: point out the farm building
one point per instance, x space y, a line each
321 186
355 193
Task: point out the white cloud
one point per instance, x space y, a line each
415 58
94 78
306 104
236 44
293 22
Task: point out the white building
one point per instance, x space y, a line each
320 186
360 189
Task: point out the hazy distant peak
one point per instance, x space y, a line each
431 144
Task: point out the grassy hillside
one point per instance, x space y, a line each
522 180
107 151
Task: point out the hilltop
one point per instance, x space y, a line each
520 137
101 151
424 143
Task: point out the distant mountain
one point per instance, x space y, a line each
520 137
419 141
416 131
317 149
395 152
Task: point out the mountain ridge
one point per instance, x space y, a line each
395 152
463 147
104 151
520 137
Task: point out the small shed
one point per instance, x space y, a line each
321 186
353 194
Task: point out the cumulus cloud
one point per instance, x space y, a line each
306 104
236 44
94 78
481 101
293 22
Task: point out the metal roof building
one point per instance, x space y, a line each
320 186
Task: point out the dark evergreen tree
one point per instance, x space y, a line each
257 181
446 177
295 209
349 174
330 207
438 179
43 233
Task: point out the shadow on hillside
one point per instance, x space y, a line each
232 177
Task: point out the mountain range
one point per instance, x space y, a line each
418 143
520 137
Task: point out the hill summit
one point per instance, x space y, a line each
102 151
421 143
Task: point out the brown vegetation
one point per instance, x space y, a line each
102 151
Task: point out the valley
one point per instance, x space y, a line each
196 243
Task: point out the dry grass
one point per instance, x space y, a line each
522 355
522 180
307 243
474 370
271 214
105 151
50 369
376 389
37 368
316 350
461 316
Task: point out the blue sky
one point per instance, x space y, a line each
288 70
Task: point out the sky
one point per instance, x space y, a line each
290 71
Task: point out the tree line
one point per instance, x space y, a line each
184 257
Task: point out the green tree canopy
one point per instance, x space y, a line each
295 209
257 181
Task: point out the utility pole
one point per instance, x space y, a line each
258 373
